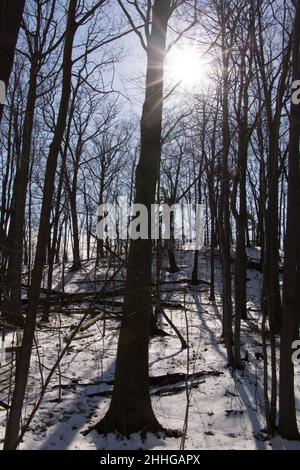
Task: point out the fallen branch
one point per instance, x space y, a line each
166 391
181 338
170 379
4 405
56 364
73 299
156 381
86 325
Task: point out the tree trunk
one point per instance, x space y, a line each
12 304
198 197
130 409
195 281
291 298
52 248
76 250
212 255
241 256
11 12
13 424
224 219
240 273
171 247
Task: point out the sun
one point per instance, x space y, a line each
188 68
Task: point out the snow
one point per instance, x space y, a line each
225 412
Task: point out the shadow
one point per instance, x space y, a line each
211 333
166 357
248 386
70 417
249 392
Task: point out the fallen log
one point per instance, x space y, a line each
173 305
87 296
166 391
158 380
87 325
91 322
161 282
169 379
180 281
78 338
162 392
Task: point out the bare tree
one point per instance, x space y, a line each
130 409
12 429
291 298
40 44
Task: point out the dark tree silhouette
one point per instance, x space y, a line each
130 409
11 12
291 297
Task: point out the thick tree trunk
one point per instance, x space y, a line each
130 409
224 217
241 256
240 265
291 298
271 290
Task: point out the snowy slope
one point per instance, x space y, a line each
225 412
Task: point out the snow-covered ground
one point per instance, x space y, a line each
225 411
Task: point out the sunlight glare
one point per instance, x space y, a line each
189 68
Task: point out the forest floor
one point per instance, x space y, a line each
225 411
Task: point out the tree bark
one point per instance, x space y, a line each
130 409
291 298
11 12
13 424
11 306
224 216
